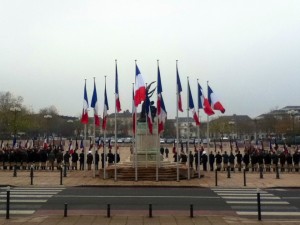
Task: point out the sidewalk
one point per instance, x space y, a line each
139 220
85 178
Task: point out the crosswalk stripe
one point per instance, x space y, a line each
26 201
241 192
29 196
17 212
246 213
244 194
246 197
235 189
262 202
32 193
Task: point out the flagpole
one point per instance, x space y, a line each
94 134
177 128
188 128
198 132
104 144
146 135
84 151
133 127
135 143
208 141
158 134
115 161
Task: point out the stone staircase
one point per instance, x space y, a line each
165 173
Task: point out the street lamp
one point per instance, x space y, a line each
48 117
15 109
292 114
231 124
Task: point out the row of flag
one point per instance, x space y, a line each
140 95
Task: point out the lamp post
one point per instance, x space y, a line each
292 114
15 109
231 124
48 117
71 126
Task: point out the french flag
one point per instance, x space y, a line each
148 114
94 104
81 144
192 107
118 104
85 116
133 112
105 109
45 143
71 150
214 101
203 102
179 90
161 110
140 88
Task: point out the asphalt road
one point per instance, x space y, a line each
138 198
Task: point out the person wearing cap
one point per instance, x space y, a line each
89 159
204 160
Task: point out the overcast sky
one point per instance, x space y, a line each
248 50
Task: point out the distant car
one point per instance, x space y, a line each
120 140
128 140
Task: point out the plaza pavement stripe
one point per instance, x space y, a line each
17 212
27 196
262 202
26 201
245 213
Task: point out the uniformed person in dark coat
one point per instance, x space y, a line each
81 160
204 160
246 160
274 158
239 158
89 160
97 159
231 161
218 161
211 159
74 159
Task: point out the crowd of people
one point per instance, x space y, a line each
252 159
53 157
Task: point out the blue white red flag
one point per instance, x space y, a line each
203 102
214 101
161 110
45 143
179 90
118 104
81 144
85 116
94 104
192 107
105 109
71 150
140 88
